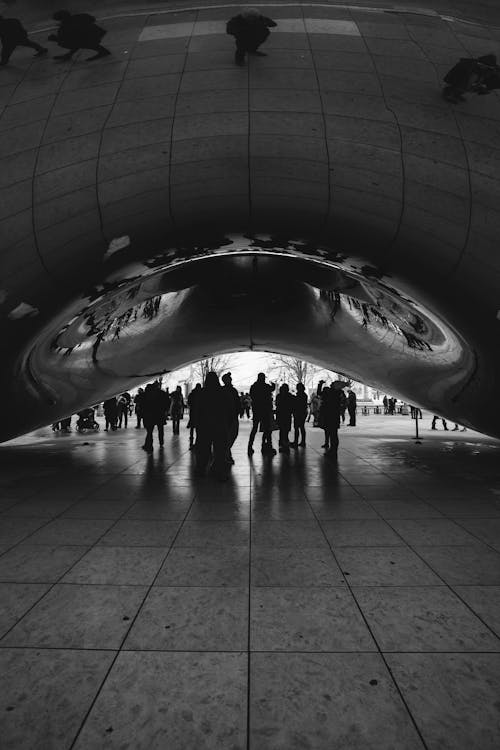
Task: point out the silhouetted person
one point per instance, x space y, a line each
331 419
261 394
285 403
434 420
155 405
12 35
139 397
191 400
78 31
123 405
343 405
234 401
299 416
323 398
385 402
110 413
213 419
250 29
351 407
176 409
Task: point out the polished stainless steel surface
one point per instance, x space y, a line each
324 201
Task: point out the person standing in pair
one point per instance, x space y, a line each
78 31
213 419
261 394
299 417
110 413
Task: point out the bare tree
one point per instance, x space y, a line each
218 363
294 370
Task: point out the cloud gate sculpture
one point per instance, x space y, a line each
163 204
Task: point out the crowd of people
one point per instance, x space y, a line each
250 29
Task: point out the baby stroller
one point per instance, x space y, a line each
86 420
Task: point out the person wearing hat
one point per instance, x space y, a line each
250 29
234 401
12 35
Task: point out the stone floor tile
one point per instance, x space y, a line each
404 508
162 510
287 534
422 618
484 601
74 616
213 534
33 564
180 700
466 507
474 565
326 493
486 529
281 510
38 508
215 566
133 533
14 530
288 566
208 510
75 531
384 566
326 701
307 619
97 509
192 619
16 599
342 509
431 531
360 533
453 697
133 566
46 694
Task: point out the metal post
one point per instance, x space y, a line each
417 438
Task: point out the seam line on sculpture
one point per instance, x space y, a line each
99 154
176 96
388 250
328 208
129 628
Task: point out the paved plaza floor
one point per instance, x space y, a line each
299 605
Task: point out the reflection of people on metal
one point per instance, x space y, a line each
12 35
261 394
435 419
250 29
476 75
299 417
78 31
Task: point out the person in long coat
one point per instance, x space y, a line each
110 413
261 394
331 405
299 417
155 406
12 35
284 409
234 400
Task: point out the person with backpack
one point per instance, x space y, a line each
78 31
12 35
